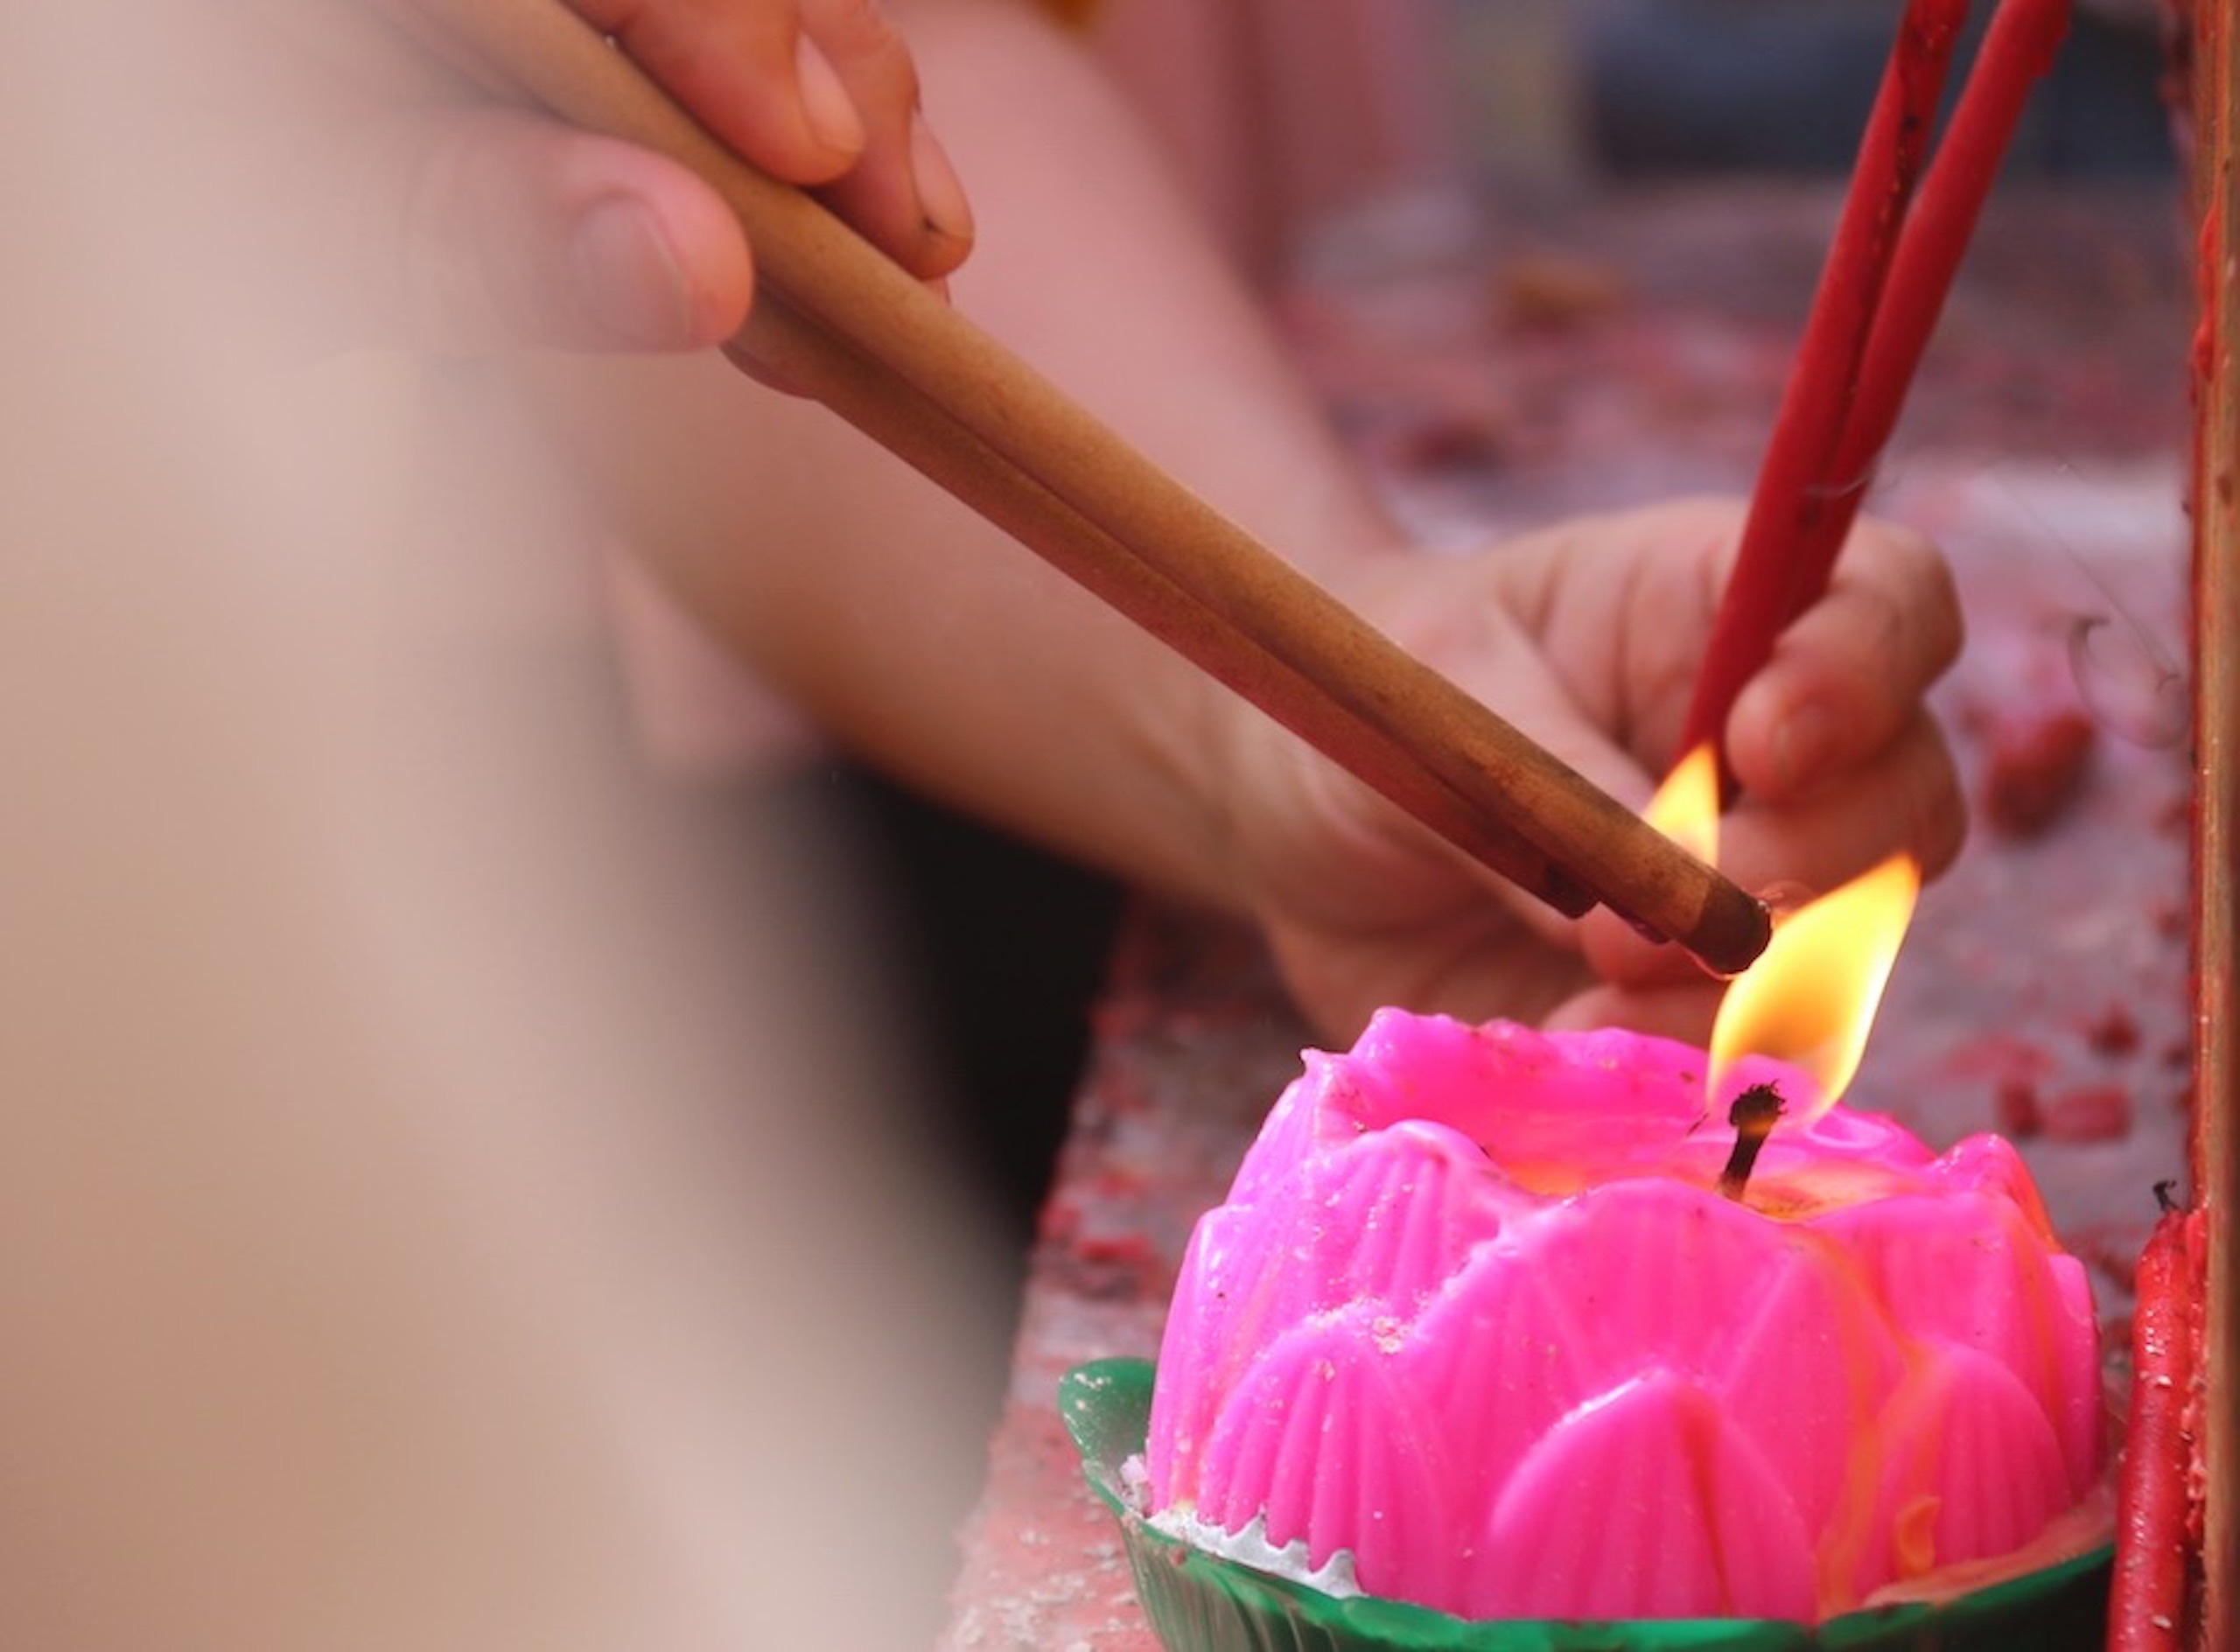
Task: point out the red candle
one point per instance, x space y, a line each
2147 1610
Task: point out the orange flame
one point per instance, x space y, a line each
1685 807
1811 999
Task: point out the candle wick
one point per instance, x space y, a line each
1753 1115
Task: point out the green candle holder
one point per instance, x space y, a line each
1200 1602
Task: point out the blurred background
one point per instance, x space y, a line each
1290 113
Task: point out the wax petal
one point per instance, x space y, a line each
1647 1504
1520 1093
1970 1269
1989 1165
1971 1467
1497 1361
1386 1224
1321 1441
1811 1363
1394 1220
1311 1106
1224 1309
2079 1407
1655 1265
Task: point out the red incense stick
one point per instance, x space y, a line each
1771 580
1889 267
2019 48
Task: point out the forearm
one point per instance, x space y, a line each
915 633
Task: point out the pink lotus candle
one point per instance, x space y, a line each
1477 1329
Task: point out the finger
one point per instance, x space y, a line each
1529 694
1627 597
499 229
819 92
750 72
1848 676
1906 798
904 195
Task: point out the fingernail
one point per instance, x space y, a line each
628 286
1802 746
940 197
825 103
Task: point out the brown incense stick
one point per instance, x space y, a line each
838 319
924 437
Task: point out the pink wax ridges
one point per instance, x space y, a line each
1473 1314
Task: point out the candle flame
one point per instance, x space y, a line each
1810 997
1685 807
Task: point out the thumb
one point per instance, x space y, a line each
477 229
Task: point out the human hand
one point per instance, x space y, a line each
1587 637
404 199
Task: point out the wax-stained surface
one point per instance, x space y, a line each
1624 351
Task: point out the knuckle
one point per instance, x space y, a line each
1944 610
1914 597
1883 628
1927 607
